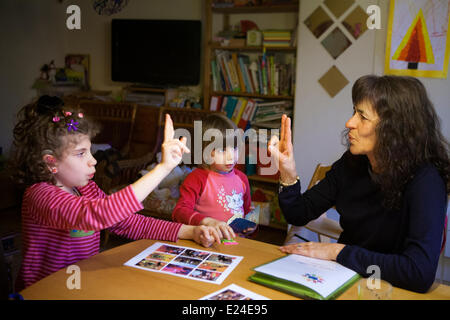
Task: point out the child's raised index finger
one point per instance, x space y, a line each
168 128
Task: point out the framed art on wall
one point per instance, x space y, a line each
77 69
418 41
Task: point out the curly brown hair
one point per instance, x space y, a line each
408 134
45 127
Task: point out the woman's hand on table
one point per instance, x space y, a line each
319 250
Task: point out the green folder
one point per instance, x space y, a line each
297 289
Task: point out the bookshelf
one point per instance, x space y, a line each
213 49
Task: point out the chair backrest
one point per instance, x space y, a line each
318 175
326 228
116 120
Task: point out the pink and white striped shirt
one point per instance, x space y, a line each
59 229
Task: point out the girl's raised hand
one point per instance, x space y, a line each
172 149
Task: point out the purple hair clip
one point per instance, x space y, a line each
72 126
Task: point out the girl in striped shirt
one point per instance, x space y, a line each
63 210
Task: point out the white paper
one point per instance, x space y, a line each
322 276
195 264
233 292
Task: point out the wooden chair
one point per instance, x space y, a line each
116 120
325 227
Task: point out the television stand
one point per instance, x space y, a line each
133 91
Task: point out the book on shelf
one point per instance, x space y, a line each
263 66
239 71
224 103
247 115
230 106
233 75
216 102
276 38
224 70
253 68
305 277
238 110
217 85
244 62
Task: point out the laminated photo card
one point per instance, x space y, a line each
233 292
185 262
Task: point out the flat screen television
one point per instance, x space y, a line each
160 53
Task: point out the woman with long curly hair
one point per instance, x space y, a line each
390 187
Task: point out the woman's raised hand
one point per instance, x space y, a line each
172 149
281 151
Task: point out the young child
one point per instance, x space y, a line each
216 193
63 210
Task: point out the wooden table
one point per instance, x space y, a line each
105 277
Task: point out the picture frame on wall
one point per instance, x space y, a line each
418 38
77 70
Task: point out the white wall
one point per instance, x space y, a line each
31 34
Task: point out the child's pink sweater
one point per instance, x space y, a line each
53 222
206 193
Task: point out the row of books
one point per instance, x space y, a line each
265 74
247 112
276 38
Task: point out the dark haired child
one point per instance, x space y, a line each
215 193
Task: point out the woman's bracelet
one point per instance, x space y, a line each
289 184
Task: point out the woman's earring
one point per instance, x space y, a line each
54 170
